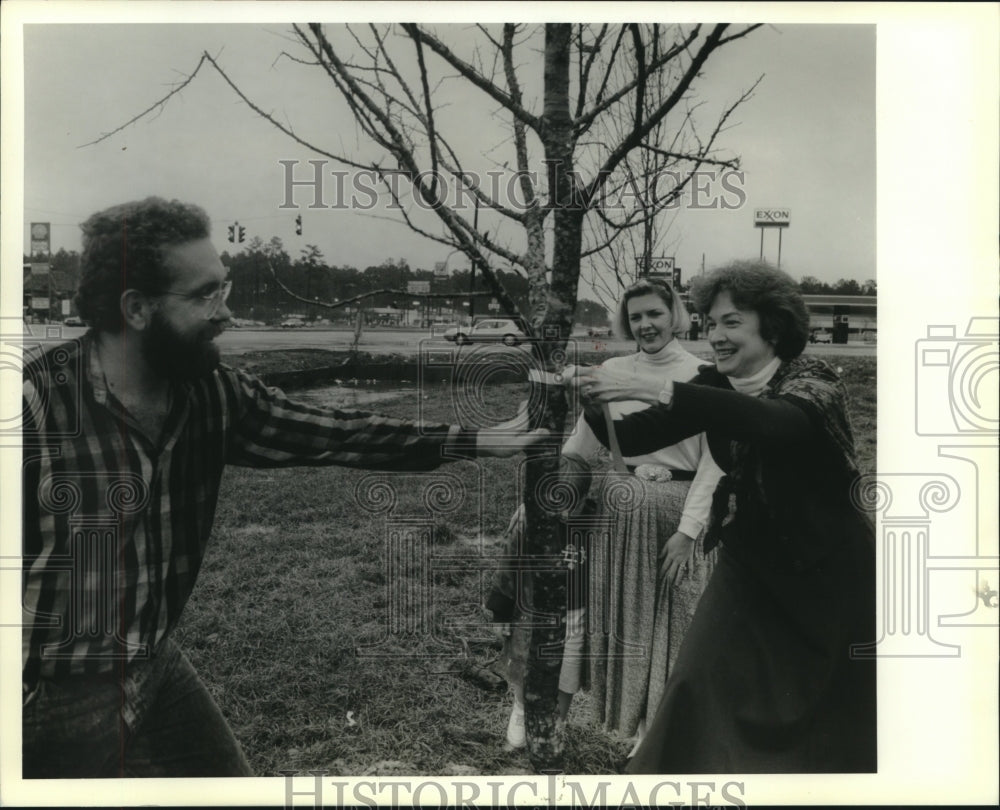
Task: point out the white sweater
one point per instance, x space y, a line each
672 362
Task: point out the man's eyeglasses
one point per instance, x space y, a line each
209 303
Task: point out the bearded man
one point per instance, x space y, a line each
126 433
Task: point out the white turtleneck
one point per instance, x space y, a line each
671 362
668 353
756 382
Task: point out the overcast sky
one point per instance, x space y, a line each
806 140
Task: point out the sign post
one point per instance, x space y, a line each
779 218
41 239
41 244
662 266
666 268
419 288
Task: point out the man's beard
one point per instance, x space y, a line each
177 356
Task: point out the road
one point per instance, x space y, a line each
405 341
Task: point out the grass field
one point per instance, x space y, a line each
288 623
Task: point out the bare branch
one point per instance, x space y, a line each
640 79
470 73
476 237
592 51
157 105
740 34
394 71
297 59
639 134
431 137
520 139
583 123
483 30
733 163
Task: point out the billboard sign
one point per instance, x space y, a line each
771 217
418 287
659 265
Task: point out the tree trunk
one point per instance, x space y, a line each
553 305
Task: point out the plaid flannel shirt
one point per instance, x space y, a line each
115 526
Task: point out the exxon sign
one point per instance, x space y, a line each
771 217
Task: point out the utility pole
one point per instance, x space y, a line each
647 240
256 285
472 270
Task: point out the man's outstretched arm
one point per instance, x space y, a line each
270 430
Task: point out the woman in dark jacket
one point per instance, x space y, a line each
766 680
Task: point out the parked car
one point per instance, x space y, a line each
821 336
503 330
292 323
599 331
74 320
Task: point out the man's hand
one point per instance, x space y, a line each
676 553
509 438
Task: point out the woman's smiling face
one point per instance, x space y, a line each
650 320
734 333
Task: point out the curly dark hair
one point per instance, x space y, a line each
123 249
762 288
680 319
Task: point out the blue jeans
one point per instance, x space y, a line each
157 721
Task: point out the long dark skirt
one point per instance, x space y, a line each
765 683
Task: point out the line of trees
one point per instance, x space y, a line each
256 297
810 285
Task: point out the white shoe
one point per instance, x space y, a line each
640 732
515 727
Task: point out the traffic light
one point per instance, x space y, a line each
298 225
243 232
232 233
676 281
